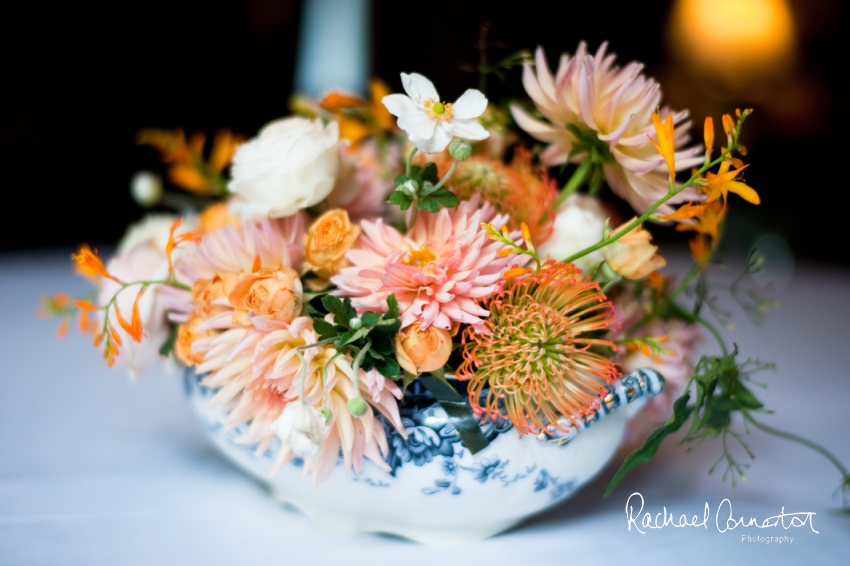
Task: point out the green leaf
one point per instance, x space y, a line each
458 410
370 318
681 411
337 308
388 367
402 200
351 337
367 364
428 203
408 379
399 180
429 173
168 345
392 308
324 328
445 197
382 343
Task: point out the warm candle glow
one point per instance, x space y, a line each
735 39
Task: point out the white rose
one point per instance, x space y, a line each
292 164
301 428
579 223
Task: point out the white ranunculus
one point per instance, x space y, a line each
579 223
301 428
292 164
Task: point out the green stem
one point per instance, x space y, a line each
410 161
716 334
645 216
313 345
443 180
303 384
355 366
800 440
576 180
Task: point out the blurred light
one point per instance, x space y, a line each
738 41
146 188
333 47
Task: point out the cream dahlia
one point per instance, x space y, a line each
614 105
439 271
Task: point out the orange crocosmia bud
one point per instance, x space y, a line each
656 281
170 245
63 327
504 252
136 319
708 134
85 305
526 234
85 321
336 101
516 272
98 340
666 143
728 124
115 335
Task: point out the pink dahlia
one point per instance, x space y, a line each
438 271
615 105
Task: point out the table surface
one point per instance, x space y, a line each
96 470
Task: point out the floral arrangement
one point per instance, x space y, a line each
318 269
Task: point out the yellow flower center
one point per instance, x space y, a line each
439 111
419 258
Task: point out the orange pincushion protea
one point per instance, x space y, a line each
536 350
519 189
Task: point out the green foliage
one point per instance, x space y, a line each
422 187
721 389
374 336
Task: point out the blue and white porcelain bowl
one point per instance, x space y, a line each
437 492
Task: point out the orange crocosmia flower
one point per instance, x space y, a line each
686 211
189 178
223 148
90 265
699 247
666 144
516 272
655 281
378 89
723 182
708 221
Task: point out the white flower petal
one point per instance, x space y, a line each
418 87
471 104
436 143
469 130
417 125
399 104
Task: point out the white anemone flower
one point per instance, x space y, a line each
430 124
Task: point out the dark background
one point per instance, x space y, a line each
79 82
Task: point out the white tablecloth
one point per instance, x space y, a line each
95 470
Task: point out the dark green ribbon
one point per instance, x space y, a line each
459 412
